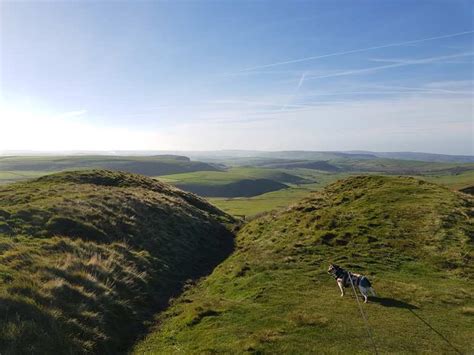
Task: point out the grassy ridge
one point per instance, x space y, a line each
87 257
273 294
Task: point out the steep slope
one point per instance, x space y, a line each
86 257
273 295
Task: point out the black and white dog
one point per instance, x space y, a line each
343 279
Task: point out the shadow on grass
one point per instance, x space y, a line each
22 325
391 302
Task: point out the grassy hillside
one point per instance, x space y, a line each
86 258
243 187
23 167
235 182
234 175
273 295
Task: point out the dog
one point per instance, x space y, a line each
343 279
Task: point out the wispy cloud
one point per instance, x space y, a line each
305 59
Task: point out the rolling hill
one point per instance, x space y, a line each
436 158
234 182
87 258
412 238
240 188
14 168
241 155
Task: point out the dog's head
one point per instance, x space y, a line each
333 268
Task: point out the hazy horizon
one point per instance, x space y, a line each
230 152
213 76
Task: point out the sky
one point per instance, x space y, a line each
259 75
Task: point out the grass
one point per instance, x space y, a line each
249 207
273 295
86 258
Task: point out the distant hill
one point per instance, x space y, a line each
402 167
303 164
430 157
413 239
240 188
145 165
361 155
87 258
242 155
234 182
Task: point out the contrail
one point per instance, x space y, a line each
303 76
396 65
356 51
301 80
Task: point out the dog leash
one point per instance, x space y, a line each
363 316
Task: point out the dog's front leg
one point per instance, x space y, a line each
341 287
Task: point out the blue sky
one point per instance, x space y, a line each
204 75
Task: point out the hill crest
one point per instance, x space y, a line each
87 257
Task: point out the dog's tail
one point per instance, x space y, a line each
372 292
